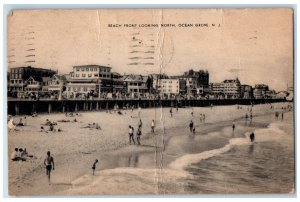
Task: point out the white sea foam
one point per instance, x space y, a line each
186 160
271 133
128 180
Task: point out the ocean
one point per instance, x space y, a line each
214 160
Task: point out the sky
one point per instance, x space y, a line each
255 45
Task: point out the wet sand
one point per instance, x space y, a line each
75 149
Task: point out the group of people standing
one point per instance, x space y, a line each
191 124
138 133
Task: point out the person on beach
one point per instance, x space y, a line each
246 116
49 163
276 115
21 123
17 155
171 112
94 166
194 130
11 125
140 124
34 114
51 127
98 127
281 115
131 130
138 135
191 125
233 127
14 155
152 126
192 113
252 137
177 108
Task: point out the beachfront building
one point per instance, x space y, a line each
88 81
260 90
217 90
45 82
182 87
169 87
232 88
57 85
118 85
270 94
246 92
282 94
27 78
196 81
34 84
156 84
136 85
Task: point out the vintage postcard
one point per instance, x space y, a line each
150 101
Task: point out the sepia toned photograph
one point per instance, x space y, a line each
150 102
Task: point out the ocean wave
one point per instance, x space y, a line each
272 133
120 181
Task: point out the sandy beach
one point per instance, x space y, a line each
151 166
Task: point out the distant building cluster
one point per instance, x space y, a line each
99 82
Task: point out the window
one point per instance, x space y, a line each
83 75
77 75
77 69
84 89
95 75
20 81
87 69
12 81
82 69
17 76
100 75
89 75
